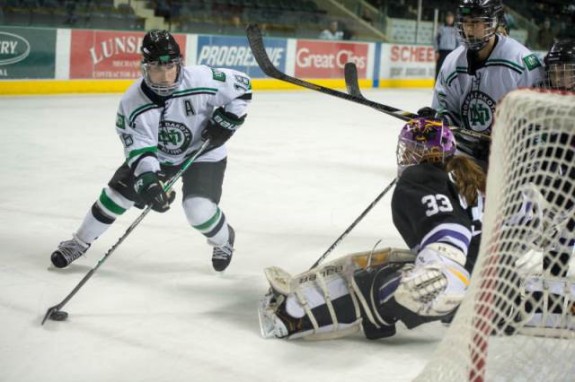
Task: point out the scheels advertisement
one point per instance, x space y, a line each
407 61
108 54
322 59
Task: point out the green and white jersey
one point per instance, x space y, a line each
157 130
468 92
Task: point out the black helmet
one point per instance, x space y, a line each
160 51
490 12
560 65
160 45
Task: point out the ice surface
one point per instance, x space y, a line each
300 170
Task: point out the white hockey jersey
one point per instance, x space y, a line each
468 95
171 129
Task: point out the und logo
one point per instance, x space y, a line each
477 111
173 138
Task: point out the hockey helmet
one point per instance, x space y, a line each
161 52
560 65
477 21
424 141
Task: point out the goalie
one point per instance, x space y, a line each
437 207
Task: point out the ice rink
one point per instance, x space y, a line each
300 170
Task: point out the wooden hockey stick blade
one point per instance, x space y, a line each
256 42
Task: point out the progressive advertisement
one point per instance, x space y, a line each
235 53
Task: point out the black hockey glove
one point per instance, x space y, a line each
221 127
427 112
151 190
478 150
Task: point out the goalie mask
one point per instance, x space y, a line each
560 65
161 63
424 141
477 21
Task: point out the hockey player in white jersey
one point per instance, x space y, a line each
163 119
476 75
560 65
437 208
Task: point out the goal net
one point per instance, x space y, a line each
517 322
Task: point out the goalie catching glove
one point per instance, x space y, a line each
221 127
436 285
149 187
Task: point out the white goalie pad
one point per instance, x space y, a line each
553 314
320 286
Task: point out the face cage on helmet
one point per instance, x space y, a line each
561 76
162 90
410 153
477 43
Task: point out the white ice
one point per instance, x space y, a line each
300 170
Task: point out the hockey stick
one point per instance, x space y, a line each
259 52
55 311
351 80
356 221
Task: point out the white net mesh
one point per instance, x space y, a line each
517 322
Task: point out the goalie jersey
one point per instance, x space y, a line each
467 91
170 129
442 215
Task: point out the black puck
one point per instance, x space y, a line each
59 315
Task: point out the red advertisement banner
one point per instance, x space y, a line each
108 54
326 59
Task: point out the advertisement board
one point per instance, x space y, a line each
326 59
407 61
27 53
234 53
108 54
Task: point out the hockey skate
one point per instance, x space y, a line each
68 251
222 256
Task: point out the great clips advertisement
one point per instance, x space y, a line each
326 59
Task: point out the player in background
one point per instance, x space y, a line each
437 207
560 65
476 75
548 210
162 119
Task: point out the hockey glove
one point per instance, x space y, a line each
151 190
221 127
437 283
478 150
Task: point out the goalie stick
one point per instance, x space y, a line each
256 42
355 222
55 312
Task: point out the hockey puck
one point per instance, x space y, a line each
59 315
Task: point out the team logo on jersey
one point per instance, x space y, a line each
174 138
477 111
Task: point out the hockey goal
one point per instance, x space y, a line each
517 322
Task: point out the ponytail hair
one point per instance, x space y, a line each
469 177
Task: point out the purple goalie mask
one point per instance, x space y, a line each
424 141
